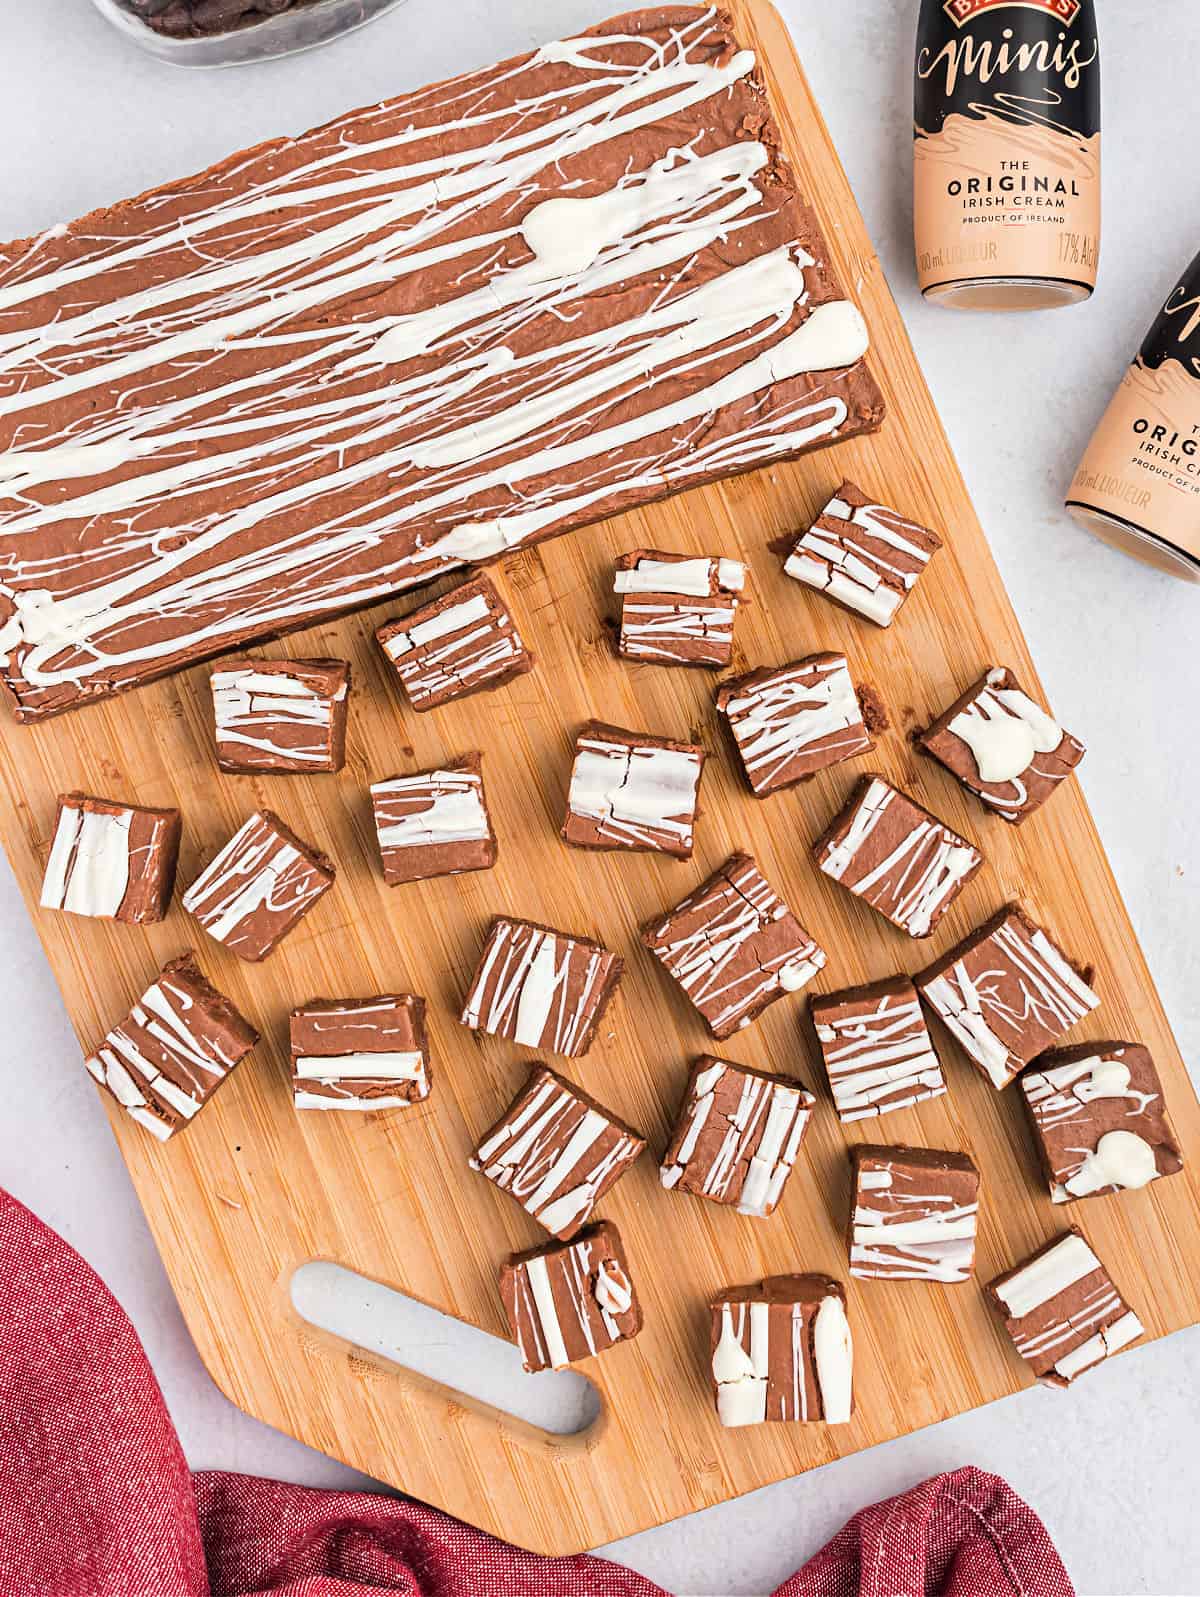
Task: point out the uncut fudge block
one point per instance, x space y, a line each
1006 993
435 823
465 642
877 1050
782 1351
178 1043
864 556
360 1053
1062 1311
280 717
897 857
258 887
403 359
737 1136
734 946
793 720
111 861
915 1214
633 791
540 987
1100 1119
1002 746
557 1152
568 1301
678 609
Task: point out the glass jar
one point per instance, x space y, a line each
219 33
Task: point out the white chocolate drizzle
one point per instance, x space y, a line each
799 719
1067 1337
274 714
908 1226
540 988
641 797
255 889
431 810
878 1053
1095 1160
867 557
89 865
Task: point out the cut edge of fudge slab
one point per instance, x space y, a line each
951 1268
361 1099
927 1079
710 651
741 1392
577 823
154 882
610 1287
276 761
476 587
404 863
953 751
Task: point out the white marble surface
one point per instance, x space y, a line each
84 120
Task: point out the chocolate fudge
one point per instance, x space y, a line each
897 857
435 823
111 861
864 556
793 720
1003 746
678 609
360 1053
465 642
1007 993
412 339
556 1151
914 1216
633 791
540 987
568 1301
1062 1311
280 717
782 1351
178 1043
877 1049
734 946
1100 1119
258 887
737 1136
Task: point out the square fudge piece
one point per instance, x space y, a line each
557 1152
734 946
630 790
877 1049
178 1043
540 987
462 643
1062 1311
258 887
1007 993
864 556
793 720
737 1136
783 1351
280 717
1099 1119
678 609
111 861
897 857
435 823
360 1053
568 1301
915 1214
1002 746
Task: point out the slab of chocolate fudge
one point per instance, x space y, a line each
782 1351
737 1136
1100 1119
178 1043
360 1053
1006 993
678 609
877 1050
897 857
435 823
540 987
633 791
790 721
258 887
1002 746
465 642
556 1151
864 556
915 1214
280 717
568 1301
734 946
1062 1310
111 861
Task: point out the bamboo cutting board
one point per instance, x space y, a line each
253 1190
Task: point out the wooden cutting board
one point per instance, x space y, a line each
253 1189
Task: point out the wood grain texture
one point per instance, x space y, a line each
253 1189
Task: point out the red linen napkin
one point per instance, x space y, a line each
96 1499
